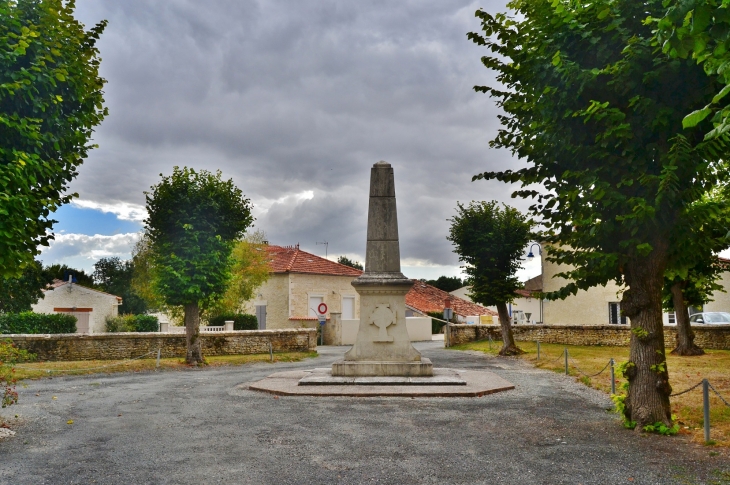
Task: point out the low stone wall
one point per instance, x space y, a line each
708 337
119 346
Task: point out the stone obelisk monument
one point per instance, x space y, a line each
382 347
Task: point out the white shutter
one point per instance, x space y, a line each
348 308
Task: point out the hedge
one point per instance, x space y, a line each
34 323
241 321
132 323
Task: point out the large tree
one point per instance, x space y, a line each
50 102
194 219
595 110
491 241
114 275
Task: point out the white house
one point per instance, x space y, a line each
90 307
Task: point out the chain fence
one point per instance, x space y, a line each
706 385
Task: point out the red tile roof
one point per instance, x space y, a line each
291 259
426 298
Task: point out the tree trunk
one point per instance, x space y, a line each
685 335
508 340
192 333
647 401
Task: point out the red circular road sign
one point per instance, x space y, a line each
322 308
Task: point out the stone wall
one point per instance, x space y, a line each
708 337
119 346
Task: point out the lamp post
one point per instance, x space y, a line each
530 255
539 251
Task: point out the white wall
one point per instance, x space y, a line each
419 328
73 295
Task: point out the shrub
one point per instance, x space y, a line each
241 321
132 323
147 323
9 355
29 322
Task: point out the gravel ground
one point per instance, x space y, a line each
199 426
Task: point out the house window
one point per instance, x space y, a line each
614 314
671 318
314 302
348 307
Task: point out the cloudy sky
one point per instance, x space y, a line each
294 100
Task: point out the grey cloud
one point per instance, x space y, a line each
291 96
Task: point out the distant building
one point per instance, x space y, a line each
90 307
424 298
298 282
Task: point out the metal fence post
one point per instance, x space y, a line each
490 340
271 351
538 350
706 406
566 361
157 366
613 378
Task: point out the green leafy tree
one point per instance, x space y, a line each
491 242
113 275
50 102
194 219
592 107
348 262
447 283
18 294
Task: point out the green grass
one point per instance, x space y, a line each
684 372
35 370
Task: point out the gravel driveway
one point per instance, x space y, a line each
198 426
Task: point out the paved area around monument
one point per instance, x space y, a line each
200 426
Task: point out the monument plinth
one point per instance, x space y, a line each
382 346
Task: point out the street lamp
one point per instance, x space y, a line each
539 250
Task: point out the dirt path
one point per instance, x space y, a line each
196 427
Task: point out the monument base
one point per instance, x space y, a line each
364 368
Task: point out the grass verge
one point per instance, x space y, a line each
684 372
35 370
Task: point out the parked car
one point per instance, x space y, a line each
710 318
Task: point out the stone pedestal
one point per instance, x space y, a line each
382 347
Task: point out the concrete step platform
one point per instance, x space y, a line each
475 383
441 377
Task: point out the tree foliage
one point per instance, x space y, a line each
113 275
50 102
447 283
19 294
194 219
698 29
491 242
596 110
349 262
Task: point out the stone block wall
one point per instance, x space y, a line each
119 346
708 337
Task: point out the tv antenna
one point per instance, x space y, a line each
326 245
